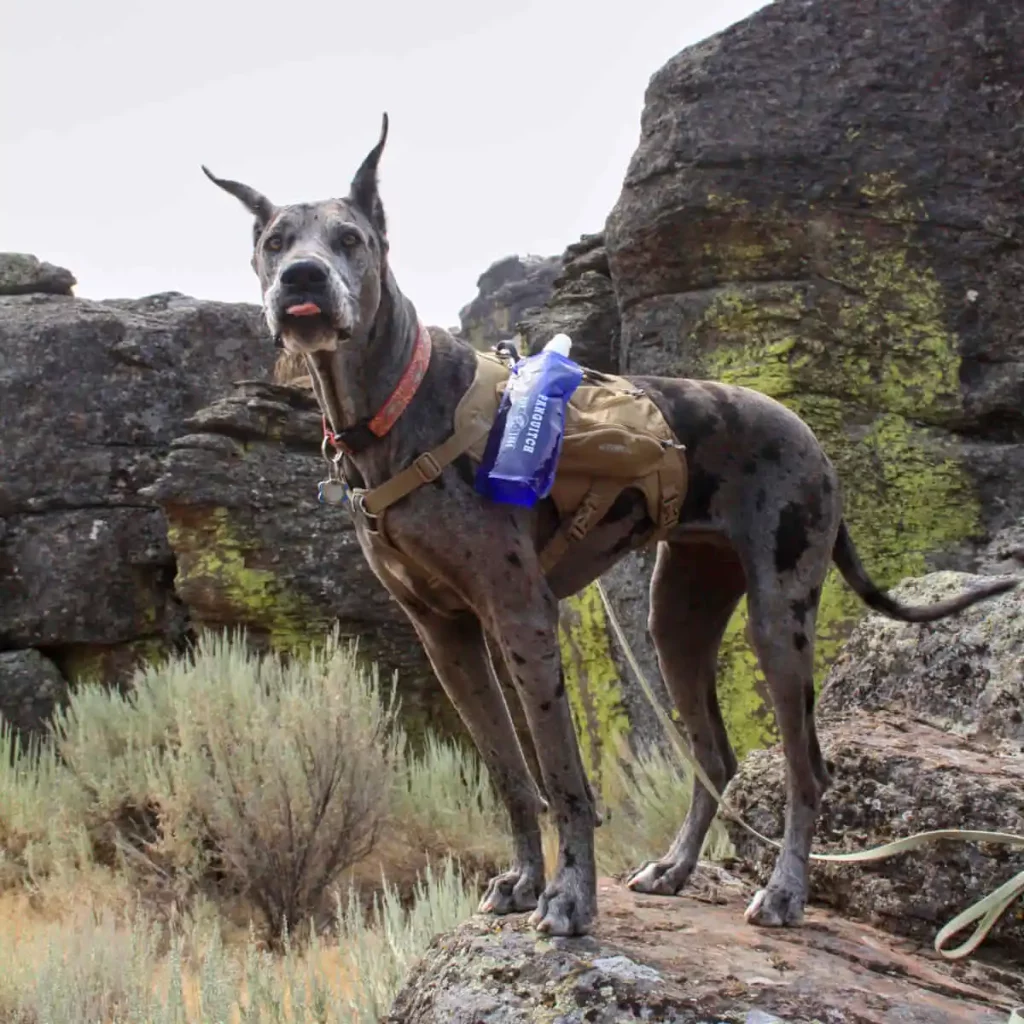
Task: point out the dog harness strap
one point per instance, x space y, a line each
424 469
592 510
361 435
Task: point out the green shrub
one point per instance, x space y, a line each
277 775
378 952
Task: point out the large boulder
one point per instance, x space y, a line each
923 726
688 961
964 674
824 205
91 396
507 289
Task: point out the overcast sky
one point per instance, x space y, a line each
511 128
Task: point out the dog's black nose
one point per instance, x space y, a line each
304 275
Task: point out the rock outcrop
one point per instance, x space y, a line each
925 729
581 305
142 496
24 274
964 674
690 961
91 396
31 686
507 289
825 206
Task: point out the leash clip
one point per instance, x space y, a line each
371 521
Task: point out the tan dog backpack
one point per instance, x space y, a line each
615 438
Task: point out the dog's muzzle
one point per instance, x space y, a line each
307 308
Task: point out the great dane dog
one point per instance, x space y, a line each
762 517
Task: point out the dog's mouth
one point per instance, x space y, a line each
311 328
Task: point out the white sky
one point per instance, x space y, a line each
511 128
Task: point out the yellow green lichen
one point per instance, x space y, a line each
716 201
591 678
869 363
214 559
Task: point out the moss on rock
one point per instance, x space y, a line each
591 678
218 582
867 360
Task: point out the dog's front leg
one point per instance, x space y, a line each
458 652
524 622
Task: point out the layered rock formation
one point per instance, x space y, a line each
24 274
925 727
91 396
144 495
581 304
825 206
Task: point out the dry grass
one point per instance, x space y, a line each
96 966
138 848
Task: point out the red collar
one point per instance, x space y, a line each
355 439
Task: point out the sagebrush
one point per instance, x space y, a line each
227 775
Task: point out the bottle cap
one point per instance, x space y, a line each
560 343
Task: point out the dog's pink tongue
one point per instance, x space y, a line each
304 309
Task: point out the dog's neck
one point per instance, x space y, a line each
371 364
369 371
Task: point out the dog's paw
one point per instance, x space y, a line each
567 906
512 892
778 906
659 879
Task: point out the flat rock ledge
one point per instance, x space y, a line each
693 960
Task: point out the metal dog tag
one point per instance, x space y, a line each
332 492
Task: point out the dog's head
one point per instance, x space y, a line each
321 265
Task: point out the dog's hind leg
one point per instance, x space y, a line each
458 652
783 611
694 590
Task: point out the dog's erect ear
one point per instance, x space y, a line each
255 202
363 192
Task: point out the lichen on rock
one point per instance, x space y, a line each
591 679
867 361
212 555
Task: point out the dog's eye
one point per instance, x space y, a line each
349 239
274 243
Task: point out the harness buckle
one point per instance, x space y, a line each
428 467
580 525
670 509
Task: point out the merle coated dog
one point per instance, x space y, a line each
762 517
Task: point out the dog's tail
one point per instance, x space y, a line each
844 554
